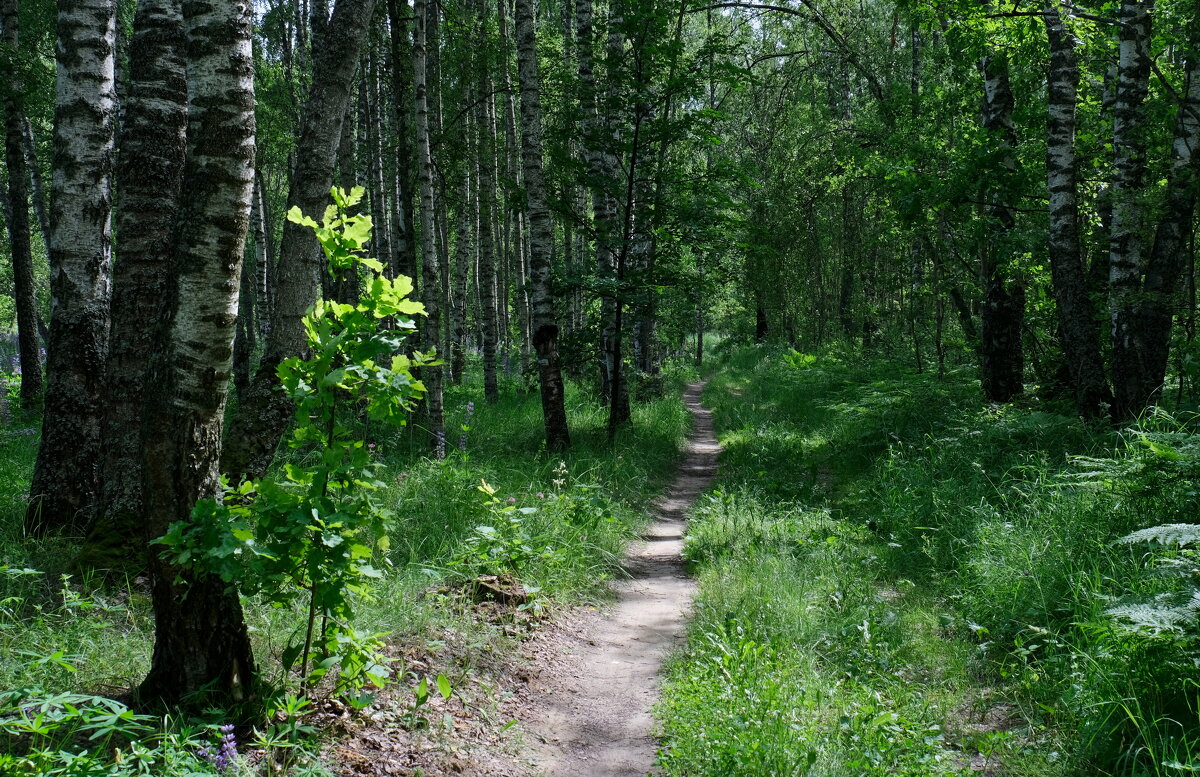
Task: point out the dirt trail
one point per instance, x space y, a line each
594 712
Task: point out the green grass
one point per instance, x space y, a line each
898 579
65 634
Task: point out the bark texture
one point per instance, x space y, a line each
201 643
66 476
1079 328
1002 359
1147 326
543 321
150 173
1127 236
265 412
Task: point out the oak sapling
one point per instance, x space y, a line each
314 529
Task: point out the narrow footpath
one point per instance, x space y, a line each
594 720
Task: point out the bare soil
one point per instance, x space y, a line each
594 717
575 698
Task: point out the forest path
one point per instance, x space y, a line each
592 715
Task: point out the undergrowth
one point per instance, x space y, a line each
73 646
896 578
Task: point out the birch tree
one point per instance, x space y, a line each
150 174
430 275
201 642
1077 322
543 321
265 412
66 476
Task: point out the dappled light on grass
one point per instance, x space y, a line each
899 579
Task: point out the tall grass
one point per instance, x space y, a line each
66 633
939 573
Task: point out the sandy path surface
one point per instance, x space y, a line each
594 717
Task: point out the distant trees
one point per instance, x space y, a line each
1031 231
576 188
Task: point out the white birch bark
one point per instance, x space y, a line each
201 641
543 321
66 477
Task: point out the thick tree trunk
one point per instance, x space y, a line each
1076 317
24 295
432 376
66 477
1127 238
265 411
541 235
150 174
1150 328
1002 359
201 644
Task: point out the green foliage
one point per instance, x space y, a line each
315 530
907 556
502 545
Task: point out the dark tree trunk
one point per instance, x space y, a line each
24 295
1077 321
150 174
265 411
1002 358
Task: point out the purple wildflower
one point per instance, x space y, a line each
466 425
440 446
512 500
225 754
541 495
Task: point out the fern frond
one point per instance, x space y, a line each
1163 613
1168 534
